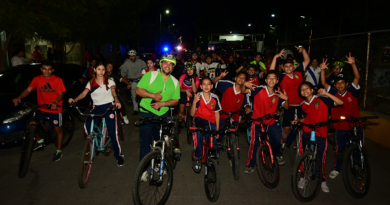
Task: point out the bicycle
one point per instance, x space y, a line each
355 168
266 165
158 164
212 177
308 167
188 119
96 142
232 139
46 131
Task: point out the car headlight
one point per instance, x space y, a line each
19 114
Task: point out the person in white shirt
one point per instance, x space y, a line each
18 59
313 73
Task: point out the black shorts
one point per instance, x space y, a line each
289 115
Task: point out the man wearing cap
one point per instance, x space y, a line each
159 90
132 70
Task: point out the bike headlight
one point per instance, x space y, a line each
19 114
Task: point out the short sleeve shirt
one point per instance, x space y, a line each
254 80
153 82
316 111
206 109
47 91
291 84
264 103
350 108
185 82
232 100
146 70
99 93
316 72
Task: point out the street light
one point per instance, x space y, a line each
167 12
249 25
273 15
173 24
230 32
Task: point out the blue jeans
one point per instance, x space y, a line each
148 132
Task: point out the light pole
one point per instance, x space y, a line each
167 12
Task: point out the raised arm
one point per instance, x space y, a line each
306 58
223 74
356 74
337 100
239 69
323 66
273 64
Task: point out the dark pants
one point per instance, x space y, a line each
148 132
111 119
222 126
322 146
275 133
342 138
198 136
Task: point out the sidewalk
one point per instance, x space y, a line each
379 130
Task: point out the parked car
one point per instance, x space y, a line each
13 120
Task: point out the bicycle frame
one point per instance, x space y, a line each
99 144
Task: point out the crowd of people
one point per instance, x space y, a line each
213 83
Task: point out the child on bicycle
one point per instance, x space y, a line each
315 109
348 93
205 110
232 99
289 81
151 66
189 84
212 69
196 61
266 100
103 95
50 90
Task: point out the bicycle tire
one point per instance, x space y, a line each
263 164
364 186
296 175
68 126
234 156
213 178
294 150
189 124
88 154
144 165
26 151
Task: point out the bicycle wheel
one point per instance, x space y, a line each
26 151
234 155
268 173
294 150
189 124
152 189
356 172
212 180
67 128
88 154
311 175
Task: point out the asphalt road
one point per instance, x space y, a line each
56 183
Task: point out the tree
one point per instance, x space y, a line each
90 21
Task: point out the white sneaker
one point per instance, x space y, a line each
301 183
125 120
281 161
333 174
324 187
144 177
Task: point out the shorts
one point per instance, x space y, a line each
54 118
183 98
289 115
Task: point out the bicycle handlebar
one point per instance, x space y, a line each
267 117
35 105
231 113
205 130
112 107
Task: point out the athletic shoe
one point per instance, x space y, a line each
135 113
281 161
333 174
38 145
196 165
121 162
249 170
125 120
144 177
301 183
57 156
324 187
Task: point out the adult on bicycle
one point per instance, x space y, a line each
118 80
103 95
315 109
50 90
159 90
132 69
348 93
189 84
266 100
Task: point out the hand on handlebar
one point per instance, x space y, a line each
217 136
16 101
247 110
71 100
294 122
118 105
189 94
128 86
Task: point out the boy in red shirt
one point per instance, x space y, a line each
266 100
151 66
205 110
348 94
289 81
50 89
